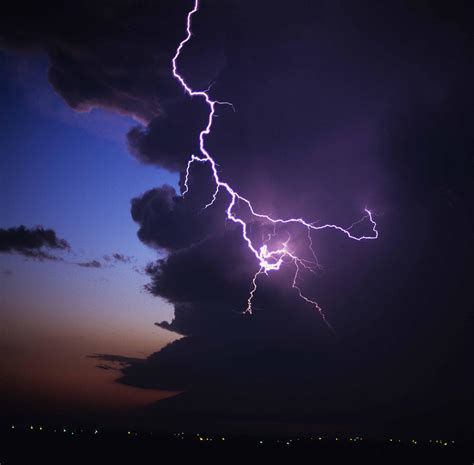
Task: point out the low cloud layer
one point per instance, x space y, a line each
35 243
107 261
90 264
118 258
42 244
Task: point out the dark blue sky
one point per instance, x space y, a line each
66 170
71 172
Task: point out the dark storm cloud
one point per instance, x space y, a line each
157 144
32 242
117 56
394 136
161 214
169 221
100 56
207 282
345 122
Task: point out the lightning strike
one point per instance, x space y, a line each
253 290
268 260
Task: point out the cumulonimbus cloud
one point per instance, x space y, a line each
295 144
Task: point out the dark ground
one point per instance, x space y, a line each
23 445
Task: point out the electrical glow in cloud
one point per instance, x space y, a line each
268 260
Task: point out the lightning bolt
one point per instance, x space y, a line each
268 260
